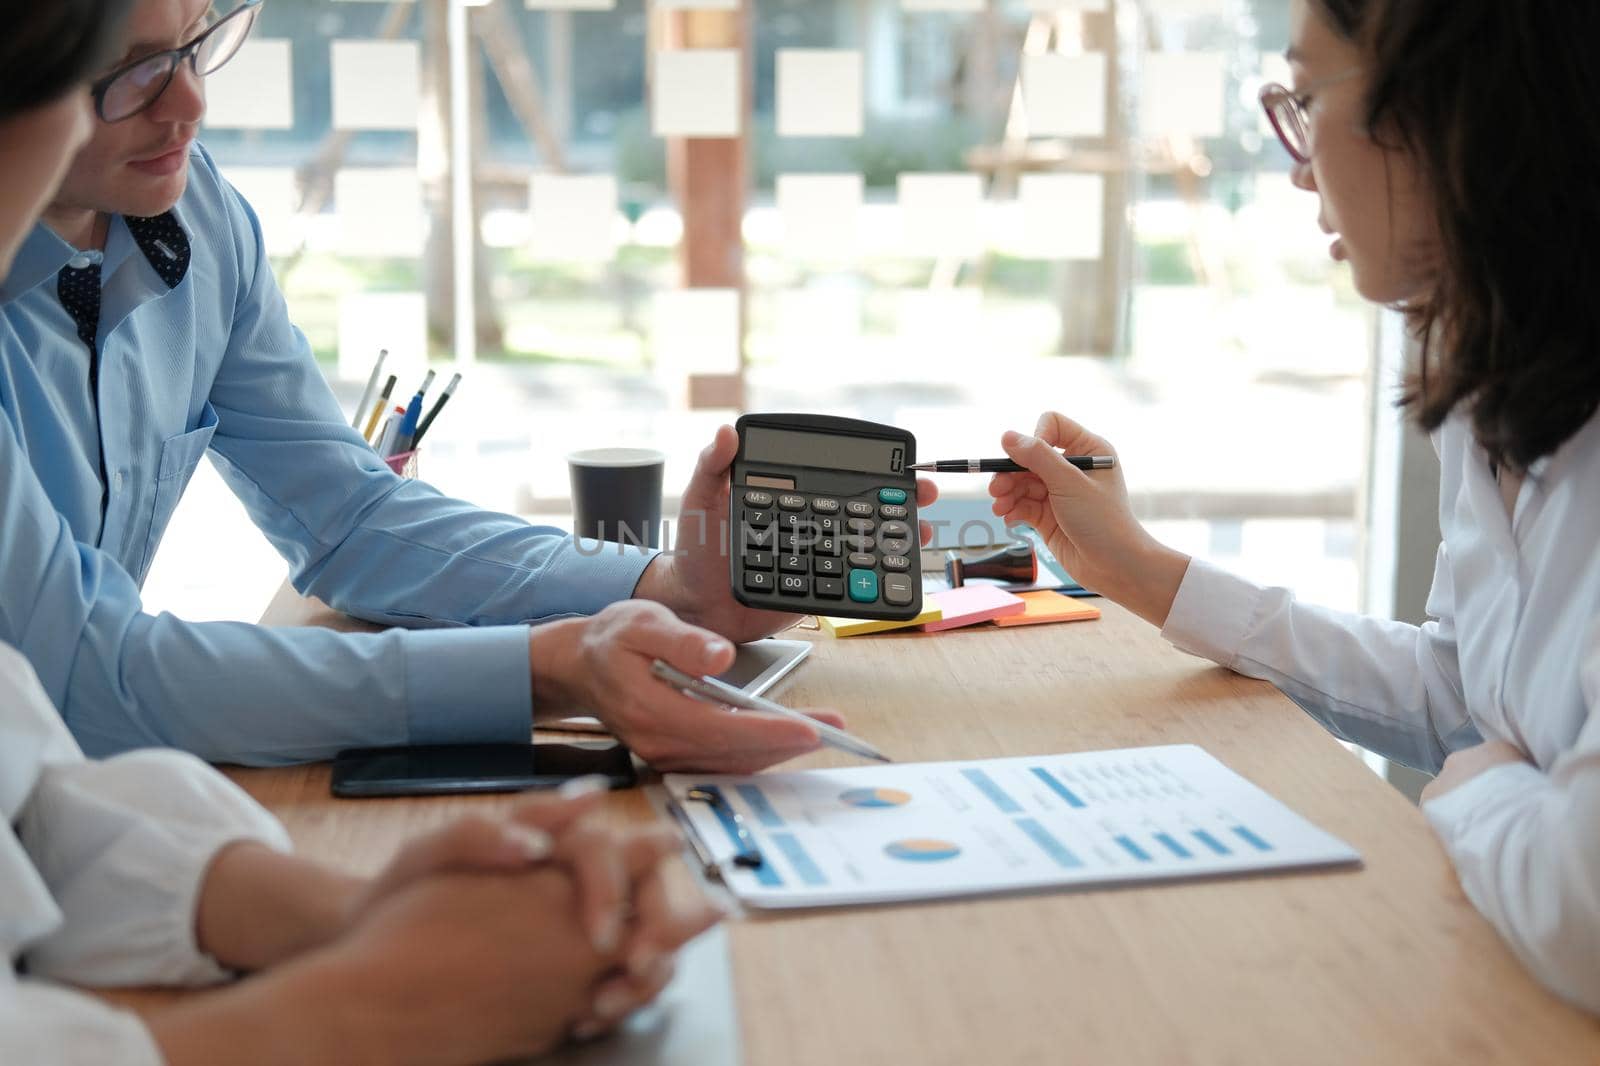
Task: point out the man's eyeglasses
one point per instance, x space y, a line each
1289 112
131 89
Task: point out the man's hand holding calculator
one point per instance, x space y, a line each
693 579
602 664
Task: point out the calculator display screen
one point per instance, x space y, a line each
789 447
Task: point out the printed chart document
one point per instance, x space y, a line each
880 834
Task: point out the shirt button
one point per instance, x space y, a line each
116 481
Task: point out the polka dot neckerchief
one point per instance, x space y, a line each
164 245
166 248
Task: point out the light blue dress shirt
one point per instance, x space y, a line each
214 364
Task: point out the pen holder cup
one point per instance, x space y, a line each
404 464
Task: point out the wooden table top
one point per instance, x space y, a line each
1383 963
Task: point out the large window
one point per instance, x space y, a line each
952 214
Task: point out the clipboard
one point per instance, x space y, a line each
920 831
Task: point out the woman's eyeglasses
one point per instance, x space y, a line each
135 87
1289 112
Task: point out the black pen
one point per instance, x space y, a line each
1007 466
438 405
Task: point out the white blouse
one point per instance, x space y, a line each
1513 654
100 868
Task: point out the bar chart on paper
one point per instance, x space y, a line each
919 831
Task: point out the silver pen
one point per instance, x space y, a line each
709 688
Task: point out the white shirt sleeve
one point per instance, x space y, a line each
42 1025
1389 686
124 845
101 865
1526 845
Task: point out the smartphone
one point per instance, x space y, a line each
439 769
757 667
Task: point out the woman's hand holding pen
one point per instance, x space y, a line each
1086 519
693 578
601 665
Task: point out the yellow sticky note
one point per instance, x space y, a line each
1048 606
855 627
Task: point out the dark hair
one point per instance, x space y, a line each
1495 101
49 47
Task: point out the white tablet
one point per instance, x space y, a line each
758 666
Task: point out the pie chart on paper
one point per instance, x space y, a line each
922 849
876 797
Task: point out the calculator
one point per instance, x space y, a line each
822 517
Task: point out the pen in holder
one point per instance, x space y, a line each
404 463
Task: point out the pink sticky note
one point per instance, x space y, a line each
971 604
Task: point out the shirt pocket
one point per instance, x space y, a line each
179 457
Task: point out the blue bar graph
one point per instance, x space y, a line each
1133 849
1251 839
756 800
1052 847
996 794
1057 787
1173 846
792 850
1211 842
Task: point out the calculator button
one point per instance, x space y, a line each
893 510
791 501
894 545
757 581
897 530
826 546
897 562
897 590
793 564
860 544
758 560
825 505
860 525
794 585
891 495
804 531
858 508
793 544
862 560
863 586
758 499
793 521
828 527
830 588
827 565
759 519
758 539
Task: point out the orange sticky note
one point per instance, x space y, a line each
971 604
1049 606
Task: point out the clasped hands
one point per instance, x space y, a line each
493 938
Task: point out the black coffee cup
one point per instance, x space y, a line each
616 494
